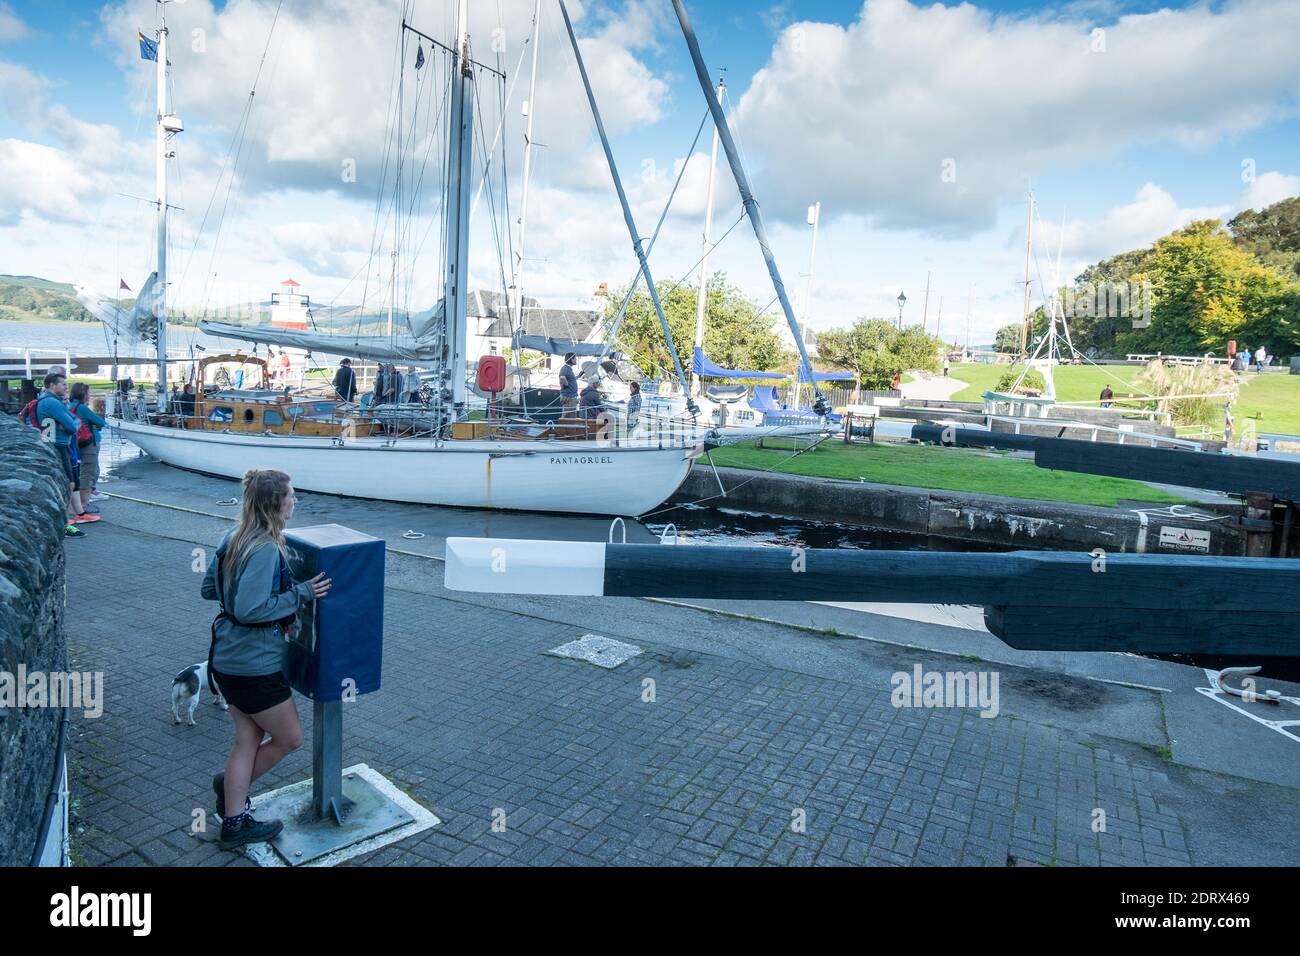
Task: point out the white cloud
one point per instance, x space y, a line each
864 116
37 180
11 27
1267 189
1153 213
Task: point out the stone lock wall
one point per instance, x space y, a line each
33 496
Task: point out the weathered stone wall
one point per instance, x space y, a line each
33 499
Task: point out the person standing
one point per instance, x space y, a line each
590 403
945 366
345 381
89 473
633 406
1106 397
249 577
1261 358
568 385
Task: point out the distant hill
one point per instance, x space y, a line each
28 298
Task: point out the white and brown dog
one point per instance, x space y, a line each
188 687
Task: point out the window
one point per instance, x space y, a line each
272 417
223 413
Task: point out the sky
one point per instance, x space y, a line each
919 128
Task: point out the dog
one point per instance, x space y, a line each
187 688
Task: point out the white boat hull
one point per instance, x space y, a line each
584 477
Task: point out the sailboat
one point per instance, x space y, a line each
336 447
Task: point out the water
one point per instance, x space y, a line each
699 525
91 338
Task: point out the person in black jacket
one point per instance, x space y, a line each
345 381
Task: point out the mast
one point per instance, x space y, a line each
460 154
701 303
1029 246
637 245
925 309
518 279
166 122
747 196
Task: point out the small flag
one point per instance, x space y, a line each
122 284
148 48
419 55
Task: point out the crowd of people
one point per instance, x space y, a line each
1243 359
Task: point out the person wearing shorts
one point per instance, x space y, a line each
249 577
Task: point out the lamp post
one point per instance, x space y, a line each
902 301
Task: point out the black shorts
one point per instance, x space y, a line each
252 695
65 458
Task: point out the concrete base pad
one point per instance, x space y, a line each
380 814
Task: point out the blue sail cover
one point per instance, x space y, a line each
827 376
702 366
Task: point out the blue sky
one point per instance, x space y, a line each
1129 119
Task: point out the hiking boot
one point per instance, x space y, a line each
72 531
219 788
247 831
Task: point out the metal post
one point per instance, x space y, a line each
637 245
747 197
327 800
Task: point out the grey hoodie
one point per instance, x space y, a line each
251 598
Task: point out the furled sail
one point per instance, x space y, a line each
381 348
130 328
554 346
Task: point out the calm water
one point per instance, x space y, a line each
88 338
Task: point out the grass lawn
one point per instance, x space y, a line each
947 469
1074 383
1272 400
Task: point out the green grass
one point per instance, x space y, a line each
1272 400
1074 383
944 469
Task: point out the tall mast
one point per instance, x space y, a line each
814 220
460 154
162 137
529 111
747 197
637 244
925 309
702 298
1029 246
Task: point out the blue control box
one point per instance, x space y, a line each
338 648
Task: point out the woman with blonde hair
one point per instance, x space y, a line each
249 576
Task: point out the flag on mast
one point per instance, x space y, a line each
148 48
122 284
419 55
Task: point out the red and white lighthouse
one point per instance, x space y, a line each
289 307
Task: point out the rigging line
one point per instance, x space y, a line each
396 78
434 128
217 243
239 128
497 234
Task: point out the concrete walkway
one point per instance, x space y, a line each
771 737
927 385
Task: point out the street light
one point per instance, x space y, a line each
902 301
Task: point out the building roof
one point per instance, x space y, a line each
575 324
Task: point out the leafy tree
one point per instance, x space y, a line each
736 333
874 350
1008 339
1271 235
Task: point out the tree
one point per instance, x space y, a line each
736 334
1271 235
1007 340
874 350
